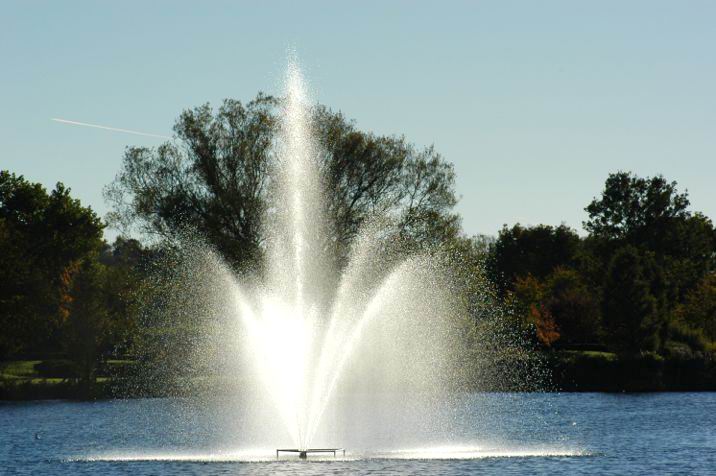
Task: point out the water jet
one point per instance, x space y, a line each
362 348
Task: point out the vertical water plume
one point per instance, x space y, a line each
311 318
296 229
311 341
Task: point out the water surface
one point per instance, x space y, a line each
668 433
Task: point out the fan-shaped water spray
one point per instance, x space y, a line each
307 321
327 352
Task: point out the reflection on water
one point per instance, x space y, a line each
493 434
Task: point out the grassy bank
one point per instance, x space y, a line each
54 379
572 371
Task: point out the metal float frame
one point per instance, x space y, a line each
303 454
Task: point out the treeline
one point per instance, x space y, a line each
66 296
640 284
71 299
641 281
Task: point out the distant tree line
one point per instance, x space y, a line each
68 294
64 292
641 280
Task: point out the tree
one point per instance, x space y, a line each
25 295
530 294
631 311
520 251
102 307
126 266
699 309
215 179
368 174
561 307
630 206
688 253
574 306
652 215
87 328
43 237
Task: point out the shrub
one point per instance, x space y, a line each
694 338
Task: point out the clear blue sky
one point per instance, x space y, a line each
534 102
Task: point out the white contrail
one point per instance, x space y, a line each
107 128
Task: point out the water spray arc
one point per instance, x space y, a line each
316 341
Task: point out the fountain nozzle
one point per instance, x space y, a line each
303 454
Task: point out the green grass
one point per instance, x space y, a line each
592 354
18 369
25 369
599 355
48 381
120 362
20 381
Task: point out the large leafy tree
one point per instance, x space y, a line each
652 215
25 295
574 305
521 251
87 329
125 266
633 301
699 308
102 307
631 206
215 178
562 303
43 238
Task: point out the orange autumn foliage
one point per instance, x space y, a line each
65 287
547 330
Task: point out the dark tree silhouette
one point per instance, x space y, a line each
43 237
520 251
215 178
631 314
652 215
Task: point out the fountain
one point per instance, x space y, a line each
306 323
324 355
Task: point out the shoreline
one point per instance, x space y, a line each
570 372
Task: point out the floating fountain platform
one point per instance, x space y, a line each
303 454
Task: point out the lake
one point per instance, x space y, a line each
493 433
